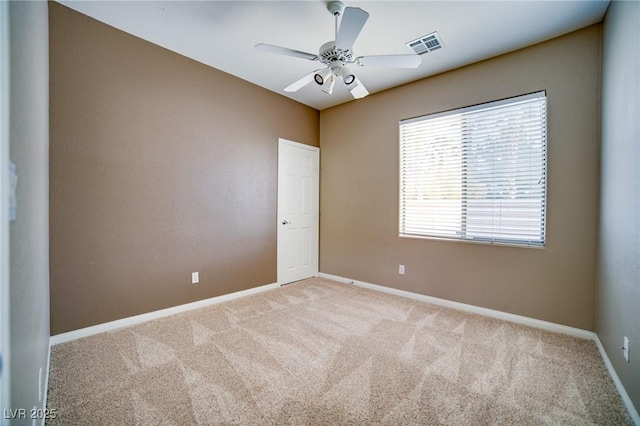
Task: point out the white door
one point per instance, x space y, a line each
298 200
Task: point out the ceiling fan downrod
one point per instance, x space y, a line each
336 8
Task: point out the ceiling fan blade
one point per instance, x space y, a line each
297 85
397 61
357 89
270 48
353 19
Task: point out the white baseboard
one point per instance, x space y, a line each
616 380
137 319
532 322
545 325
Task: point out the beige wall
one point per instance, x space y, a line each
160 166
359 188
618 300
29 233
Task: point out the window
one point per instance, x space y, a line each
476 173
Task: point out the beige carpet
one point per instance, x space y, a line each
320 352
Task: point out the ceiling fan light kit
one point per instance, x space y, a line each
346 75
337 54
328 86
322 75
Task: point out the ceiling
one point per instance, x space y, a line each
223 34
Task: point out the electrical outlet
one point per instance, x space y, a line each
625 349
195 277
401 269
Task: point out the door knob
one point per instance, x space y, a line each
285 222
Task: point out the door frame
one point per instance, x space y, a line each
5 397
316 190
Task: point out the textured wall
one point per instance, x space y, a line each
618 300
359 188
160 166
29 233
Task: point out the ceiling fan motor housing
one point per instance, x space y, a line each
330 54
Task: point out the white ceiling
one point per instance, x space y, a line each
223 34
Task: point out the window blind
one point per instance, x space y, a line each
476 173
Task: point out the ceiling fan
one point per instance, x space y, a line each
337 54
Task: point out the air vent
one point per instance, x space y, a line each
425 44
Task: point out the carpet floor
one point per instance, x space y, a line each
319 352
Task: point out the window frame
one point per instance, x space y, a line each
521 243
